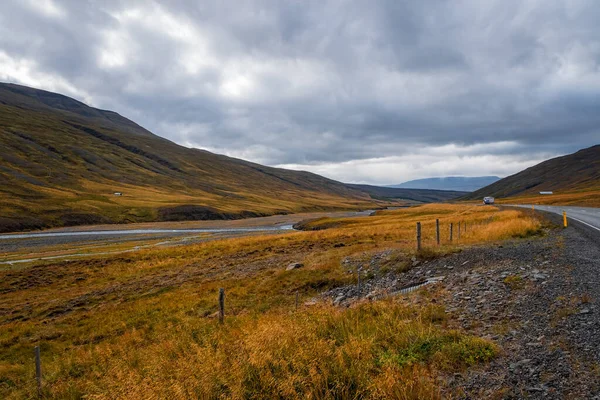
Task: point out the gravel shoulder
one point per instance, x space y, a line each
536 298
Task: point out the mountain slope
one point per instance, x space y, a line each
61 163
418 195
575 172
459 183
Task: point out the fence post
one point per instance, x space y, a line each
38 370
418 236
565 219
358 268
451 229
458 230
221 305
437 231
296 299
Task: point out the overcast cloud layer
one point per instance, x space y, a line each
365 91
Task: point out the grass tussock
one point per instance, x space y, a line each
380 350
142 325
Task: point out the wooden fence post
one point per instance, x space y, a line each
418 236
358 268
437 231
458 230
221 305
296 299
451 229
38 371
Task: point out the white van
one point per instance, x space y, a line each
488 200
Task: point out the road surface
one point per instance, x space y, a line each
587 216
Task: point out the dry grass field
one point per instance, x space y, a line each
584 198
142 325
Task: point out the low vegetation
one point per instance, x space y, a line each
143 325
584 198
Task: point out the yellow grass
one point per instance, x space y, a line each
142 325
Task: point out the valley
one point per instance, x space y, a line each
290 200
89 313
115 258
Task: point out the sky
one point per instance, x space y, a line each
376 92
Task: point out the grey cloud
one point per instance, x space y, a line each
319 83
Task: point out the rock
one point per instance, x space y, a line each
435 279
339 299
372 295
294 266
339 245
585 311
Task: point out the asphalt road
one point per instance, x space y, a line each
588 217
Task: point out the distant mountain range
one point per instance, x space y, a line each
457 183
414 195
575 172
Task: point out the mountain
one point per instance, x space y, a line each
579 171
459 183
416 195
65 163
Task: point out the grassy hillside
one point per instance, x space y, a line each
142 325
575 176
415 195
61 161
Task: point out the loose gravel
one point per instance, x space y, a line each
536 298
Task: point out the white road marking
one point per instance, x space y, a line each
553 209
585 223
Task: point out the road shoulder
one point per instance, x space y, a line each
537 298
